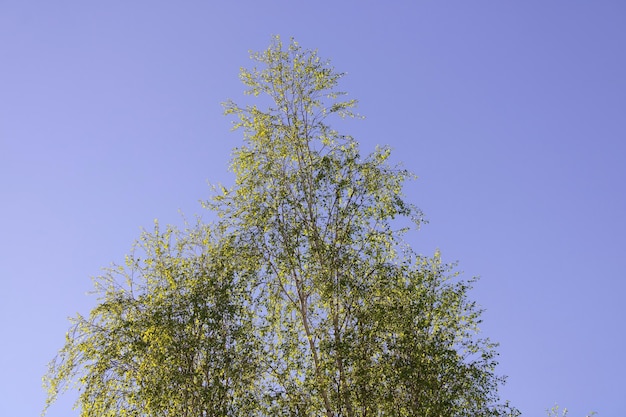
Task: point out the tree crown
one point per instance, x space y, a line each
301 300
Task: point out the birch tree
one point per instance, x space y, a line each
303 299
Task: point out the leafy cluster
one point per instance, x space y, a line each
554 412
169 335
302 300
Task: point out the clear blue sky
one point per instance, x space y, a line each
512 113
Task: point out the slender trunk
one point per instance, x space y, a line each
343 387
309 335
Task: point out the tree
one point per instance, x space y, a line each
302 299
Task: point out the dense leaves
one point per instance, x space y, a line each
170 336
301 300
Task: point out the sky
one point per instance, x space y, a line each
511 113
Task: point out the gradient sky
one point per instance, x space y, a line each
512 114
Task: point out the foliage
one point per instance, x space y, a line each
554 412
302 300
169 336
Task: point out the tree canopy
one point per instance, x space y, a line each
301 299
